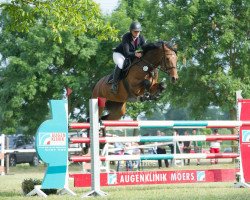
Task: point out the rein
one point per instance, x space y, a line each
149 68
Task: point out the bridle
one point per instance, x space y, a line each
150 67
153 66
163 59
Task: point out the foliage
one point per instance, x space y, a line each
36 68
213 53
46 50
135 9
210 113
78 16
29 184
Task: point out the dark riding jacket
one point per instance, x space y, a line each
127 47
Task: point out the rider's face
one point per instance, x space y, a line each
135 34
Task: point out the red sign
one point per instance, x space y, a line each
157 177
245 139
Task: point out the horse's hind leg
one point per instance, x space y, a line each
116 110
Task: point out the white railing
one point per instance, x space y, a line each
34 150
4 151
2 143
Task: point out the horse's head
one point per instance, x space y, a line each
169 61
162 54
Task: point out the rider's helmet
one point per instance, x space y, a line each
135 26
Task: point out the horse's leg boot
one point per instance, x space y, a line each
114 87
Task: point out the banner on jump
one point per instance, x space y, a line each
157 177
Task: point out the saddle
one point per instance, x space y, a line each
126 66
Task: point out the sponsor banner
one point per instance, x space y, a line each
157 177
245 151
52 140
245 138
52 146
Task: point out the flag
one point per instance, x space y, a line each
69 91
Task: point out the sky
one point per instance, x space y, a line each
107 6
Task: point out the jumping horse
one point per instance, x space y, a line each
141 80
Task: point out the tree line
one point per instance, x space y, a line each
49 46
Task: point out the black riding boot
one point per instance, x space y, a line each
114 87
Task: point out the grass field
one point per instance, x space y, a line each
10 187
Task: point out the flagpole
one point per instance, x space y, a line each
68 93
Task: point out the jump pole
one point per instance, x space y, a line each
206 138
94 147
155 157
2 142
244 106
56 132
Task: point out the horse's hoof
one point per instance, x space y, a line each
153 98
142 99
162 86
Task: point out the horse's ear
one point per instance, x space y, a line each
175 40
175 47
172 46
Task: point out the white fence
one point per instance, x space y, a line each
5 152
2 144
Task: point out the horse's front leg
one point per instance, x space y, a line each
156 89
152 90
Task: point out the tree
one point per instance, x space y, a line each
213 50
36 68
78 16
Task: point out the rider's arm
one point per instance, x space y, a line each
125 45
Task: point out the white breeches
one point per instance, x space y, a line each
118 59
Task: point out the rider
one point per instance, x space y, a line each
131 41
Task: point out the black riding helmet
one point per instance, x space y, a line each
135 26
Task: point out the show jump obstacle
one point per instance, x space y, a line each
2 143
52 147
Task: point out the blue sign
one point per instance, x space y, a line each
201 175
112 179
245 135
52 146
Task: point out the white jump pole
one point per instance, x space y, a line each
94 148
2 152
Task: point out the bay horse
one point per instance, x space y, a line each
141 80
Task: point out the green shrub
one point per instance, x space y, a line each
29 184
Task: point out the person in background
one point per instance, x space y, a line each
161 150
197 146
120 151
128 150
215 147
172 146
175 146
136 151
186 148
178 144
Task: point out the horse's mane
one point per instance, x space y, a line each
150 46
155 45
